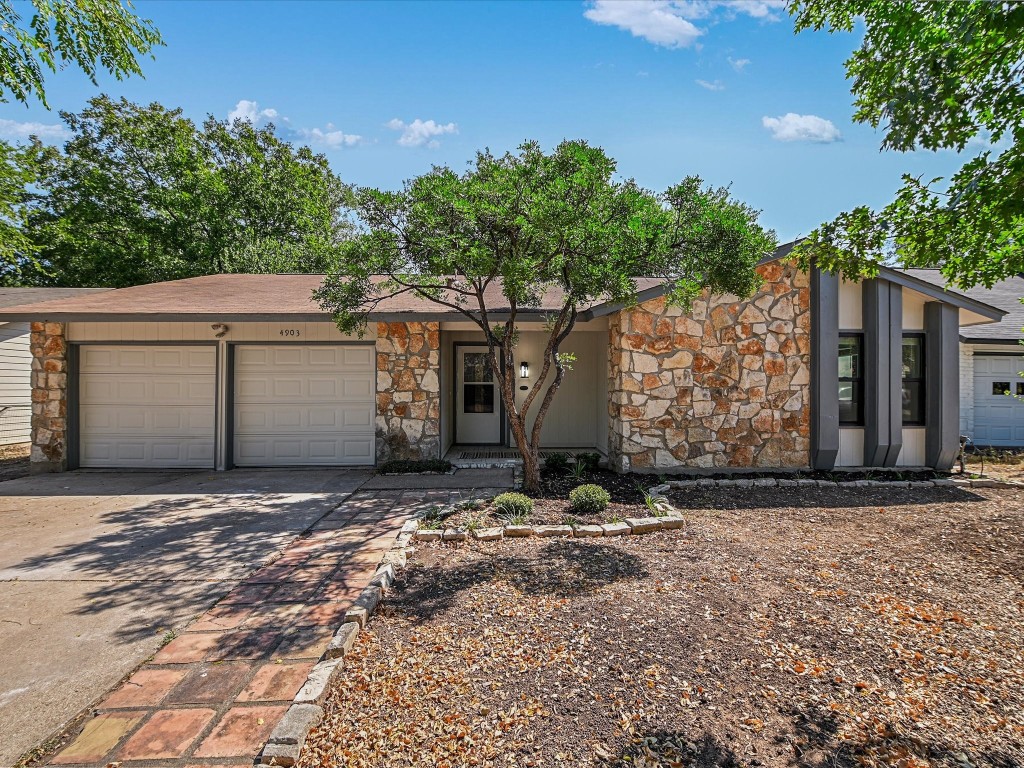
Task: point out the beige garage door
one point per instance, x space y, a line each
299 405
146 406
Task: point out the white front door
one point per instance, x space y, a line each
477 401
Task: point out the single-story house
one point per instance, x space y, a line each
248 371
991 362
16 361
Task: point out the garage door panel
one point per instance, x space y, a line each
998 418
297 405
147 406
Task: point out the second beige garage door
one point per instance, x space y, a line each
298 405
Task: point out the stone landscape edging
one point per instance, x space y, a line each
806 482
286 741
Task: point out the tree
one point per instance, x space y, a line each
141 194
489 243
94 34
935 75
18 173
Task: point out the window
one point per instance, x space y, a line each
1000 387
913 379
851 379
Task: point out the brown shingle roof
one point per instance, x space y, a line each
239 297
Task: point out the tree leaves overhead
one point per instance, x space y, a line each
95 35
935 75
141 194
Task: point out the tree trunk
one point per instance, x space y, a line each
529 453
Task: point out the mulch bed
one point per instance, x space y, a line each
551 505
826 628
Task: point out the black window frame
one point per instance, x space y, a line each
857 381
921 380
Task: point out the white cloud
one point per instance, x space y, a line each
794 127
329 138
12 129
250 111
738 64
421 133
717 85
669 23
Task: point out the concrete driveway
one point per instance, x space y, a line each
97 567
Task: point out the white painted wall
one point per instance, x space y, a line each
851 447
15 384
851 314
912 453
913 310
966 389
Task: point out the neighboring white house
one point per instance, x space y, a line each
16 362
991 364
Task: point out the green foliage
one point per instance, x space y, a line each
95 35
141 194
513 505
589 499
409 466
512 229
590 459
934 75
557 462
579 470
19 170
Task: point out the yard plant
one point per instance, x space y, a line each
536 232
515 506
589 499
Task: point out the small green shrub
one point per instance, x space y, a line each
589 499
589 459
513 505
557 462
407 466
579 470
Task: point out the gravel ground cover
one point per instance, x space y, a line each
830 628
14 461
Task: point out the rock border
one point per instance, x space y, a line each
806 482
289 736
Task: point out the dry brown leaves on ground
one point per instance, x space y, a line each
774 631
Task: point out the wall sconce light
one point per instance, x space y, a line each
219 330
524 370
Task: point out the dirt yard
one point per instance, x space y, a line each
837 628
13 461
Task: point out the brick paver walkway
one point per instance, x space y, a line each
214 693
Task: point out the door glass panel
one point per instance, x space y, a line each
478 398
476 367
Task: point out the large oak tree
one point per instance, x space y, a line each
935 75
489 243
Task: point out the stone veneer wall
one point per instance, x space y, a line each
726 384
408 391
49 397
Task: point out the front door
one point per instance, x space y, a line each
477 411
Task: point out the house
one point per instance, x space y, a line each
247 371
991 362
16 362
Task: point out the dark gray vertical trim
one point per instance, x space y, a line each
824 369
72 428
229 409
942 384
882 304
895 374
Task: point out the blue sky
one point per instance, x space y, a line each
667 88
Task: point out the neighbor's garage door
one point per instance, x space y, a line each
146 406
998 418
298 405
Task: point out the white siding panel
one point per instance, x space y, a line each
304 405
851 314
851 447
912 452
146 406
15 384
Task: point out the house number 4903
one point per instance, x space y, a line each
290 332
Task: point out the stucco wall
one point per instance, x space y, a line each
725 384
